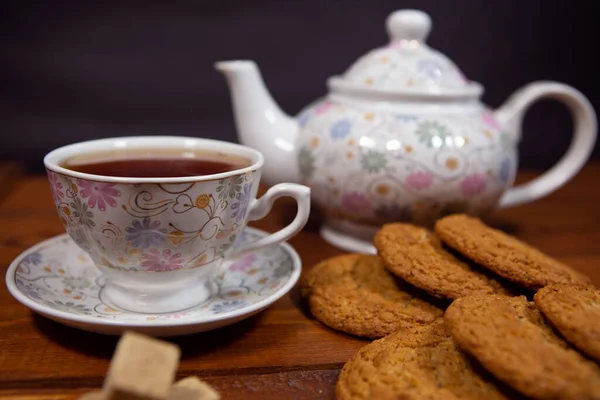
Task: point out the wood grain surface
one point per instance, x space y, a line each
10 173
279 353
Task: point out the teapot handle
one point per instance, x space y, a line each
510 115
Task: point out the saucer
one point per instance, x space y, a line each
58 280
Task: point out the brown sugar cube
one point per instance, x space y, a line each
192 388
95 395
142 368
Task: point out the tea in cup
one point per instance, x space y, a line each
159 215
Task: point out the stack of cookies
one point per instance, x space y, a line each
451 311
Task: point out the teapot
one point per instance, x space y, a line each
401 136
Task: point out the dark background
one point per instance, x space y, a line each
72 71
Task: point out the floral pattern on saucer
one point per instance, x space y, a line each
60 276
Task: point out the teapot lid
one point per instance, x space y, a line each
407 65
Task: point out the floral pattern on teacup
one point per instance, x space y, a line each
153 227
59 275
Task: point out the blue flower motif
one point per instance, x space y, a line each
340 129
303 118
505 170
145 234
28 291
243 237
33 259
431 69
241 206
228 306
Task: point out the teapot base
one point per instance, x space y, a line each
349 236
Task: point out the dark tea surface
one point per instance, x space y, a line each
139 163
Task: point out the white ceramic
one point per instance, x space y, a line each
401 136
159 240
60 281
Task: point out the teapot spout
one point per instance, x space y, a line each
260 123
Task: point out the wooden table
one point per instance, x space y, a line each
280 353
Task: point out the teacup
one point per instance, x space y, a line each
159 241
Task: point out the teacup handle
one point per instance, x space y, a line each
259 208
511 114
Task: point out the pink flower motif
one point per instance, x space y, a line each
472 185
243 263
323 107
489 121
175 316
98 193
355 202
419 180
154 260
55 187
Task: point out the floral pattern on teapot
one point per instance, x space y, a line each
405 65
375 167
132 220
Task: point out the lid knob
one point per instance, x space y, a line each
408 25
